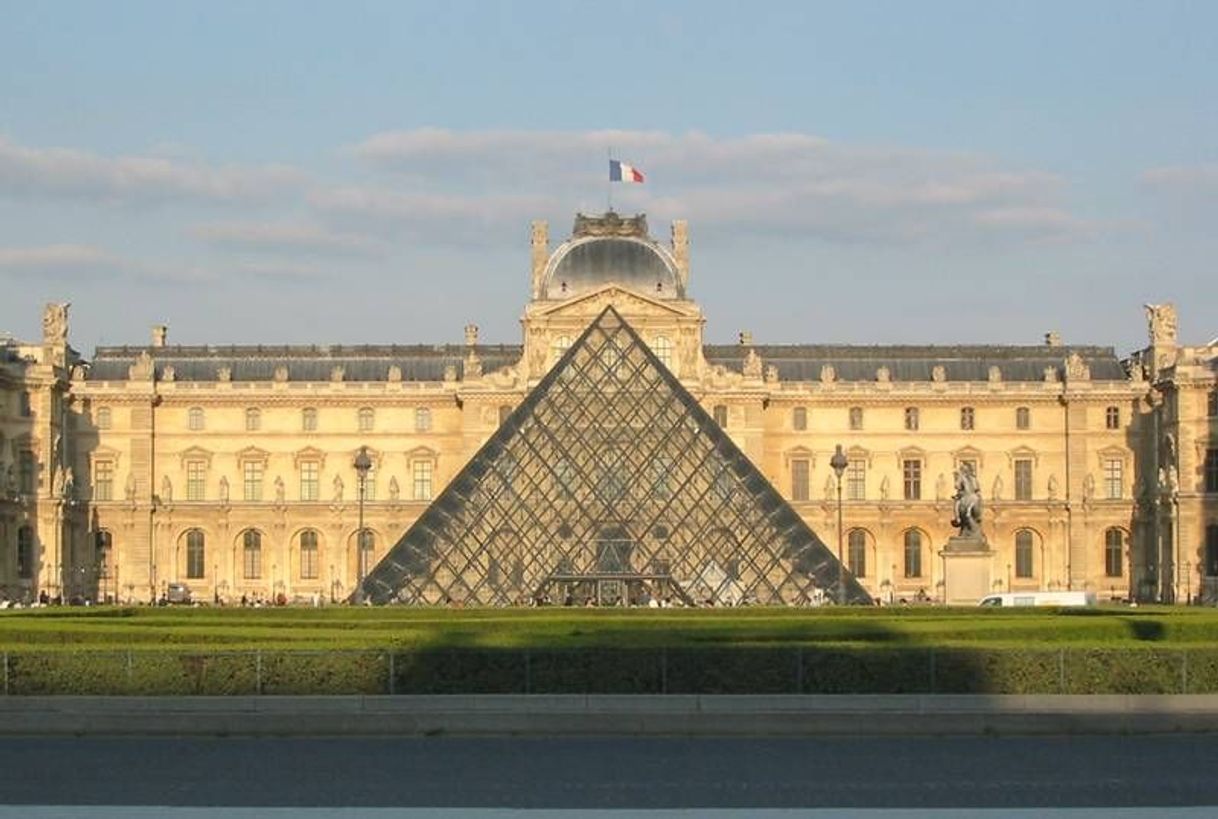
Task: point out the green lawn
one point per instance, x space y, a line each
338 628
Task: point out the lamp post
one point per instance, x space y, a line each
839 463
362 464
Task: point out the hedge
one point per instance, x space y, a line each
741 670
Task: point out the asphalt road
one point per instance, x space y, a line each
928 772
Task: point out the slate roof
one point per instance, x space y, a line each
419 362
803 362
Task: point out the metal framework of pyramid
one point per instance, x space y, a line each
609 484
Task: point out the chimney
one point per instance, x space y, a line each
159 333
1053 339
746 338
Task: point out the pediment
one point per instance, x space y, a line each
195 453
422 453
626 302
309 453
253 453
105 453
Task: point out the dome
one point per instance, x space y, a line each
585 264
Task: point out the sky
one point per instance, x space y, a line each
365 172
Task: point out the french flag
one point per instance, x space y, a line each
621 172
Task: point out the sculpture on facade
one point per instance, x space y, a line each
223 489
280 492
338 489
967 516
55 323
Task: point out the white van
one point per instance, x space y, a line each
1040 598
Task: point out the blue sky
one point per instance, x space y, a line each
366 172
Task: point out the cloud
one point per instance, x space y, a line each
286 238
766 183
1199 178
71 173
58 261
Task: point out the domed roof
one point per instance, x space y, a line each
584 264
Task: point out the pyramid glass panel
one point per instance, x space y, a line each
610 485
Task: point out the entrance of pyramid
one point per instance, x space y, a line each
614 577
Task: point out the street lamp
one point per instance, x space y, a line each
362 464
839 464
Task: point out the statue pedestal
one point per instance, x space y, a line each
966 570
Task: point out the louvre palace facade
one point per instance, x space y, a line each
611 456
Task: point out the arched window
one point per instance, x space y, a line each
367 419
913 553
856 560
856 418
662 347
1024 540
251 554
1023 418
1114 552
911 418
104 418
308 555
1112 418
1211 550
253 420
422 419
968 418
103 544
25 553
194 419
799 418
308 419
196 555
366 546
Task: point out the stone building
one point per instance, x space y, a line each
231 468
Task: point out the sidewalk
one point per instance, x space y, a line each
609 715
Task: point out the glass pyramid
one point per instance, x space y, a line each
609 485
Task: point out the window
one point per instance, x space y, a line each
26 479
308 555
1023 418
799 479
662 347
799 418
422 480
308 419
253 420
25 553
251 554
856 480
856 417
857 557
968 418
1211 405
104 418
560 346
913 553
422 419
911 418
369 483
196 476
1211 470
1114 478
24 408
103 481
1114 552
1023 553
196 555
366 419
1112 418
720 413
194 419
505 411
103 542
367 549
912 472
1211 550
252 473
310 480
1023 479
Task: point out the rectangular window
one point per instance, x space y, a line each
912 472
196 477
799 418
799 479
369 484
720 413
1211 470
252 471
856 418
1023 418
856 480
968 418
1023 479
103 481
27 477
310 481
308 419
1112 418
308 563
911 418
422 480
1114 478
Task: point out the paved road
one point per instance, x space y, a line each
613 773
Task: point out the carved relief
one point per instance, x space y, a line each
168 374
540 242
680 251
142 369
938 374
752 365
471 335
338 373
281 374
450 373
883 375
828 374
1077 369
224 374
995 374
771 374
1161 324
55 324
